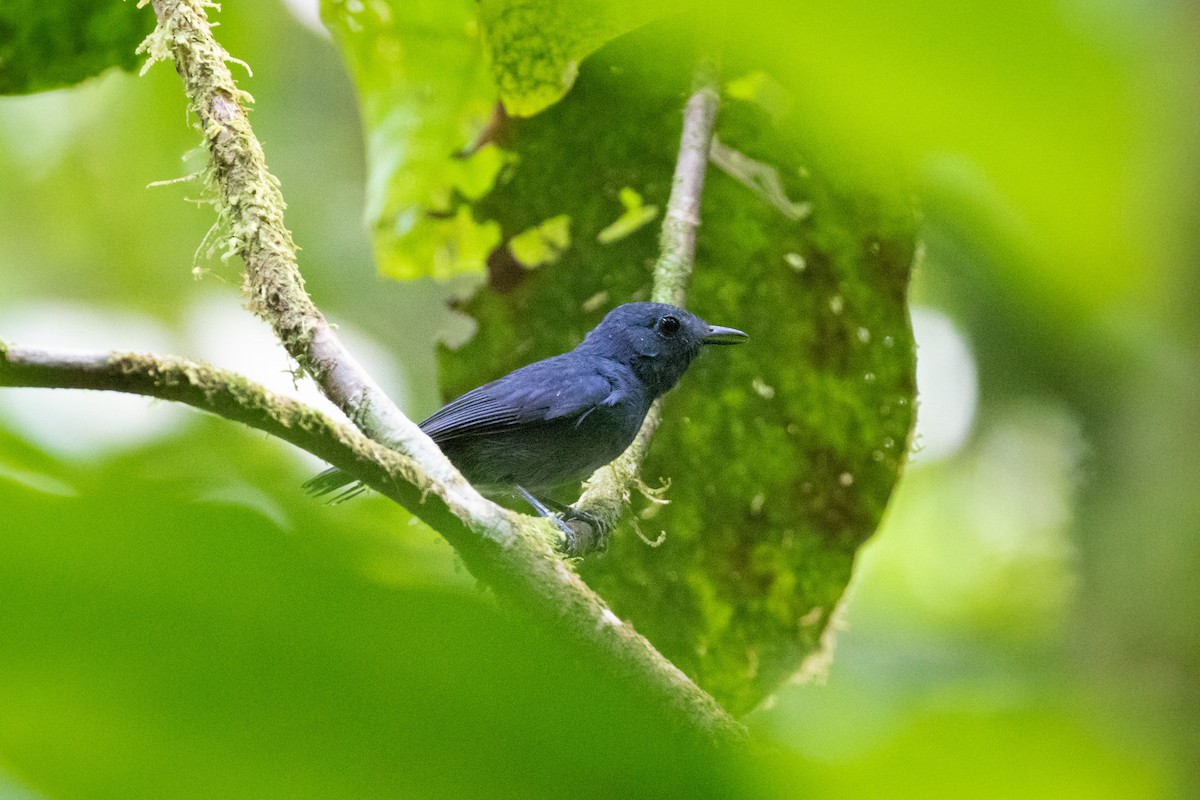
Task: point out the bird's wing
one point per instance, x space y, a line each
556 388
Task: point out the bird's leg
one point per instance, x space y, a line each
542 510
590 536
580 540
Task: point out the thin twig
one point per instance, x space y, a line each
759 177
607 491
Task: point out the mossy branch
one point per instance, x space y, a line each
607 492
510 552
234 397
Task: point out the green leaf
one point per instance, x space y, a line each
47 44
426 98
781 454
635 216
535 46
543 244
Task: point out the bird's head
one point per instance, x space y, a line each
657 340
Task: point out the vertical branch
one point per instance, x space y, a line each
677 243
607 492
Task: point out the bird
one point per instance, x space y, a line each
556 421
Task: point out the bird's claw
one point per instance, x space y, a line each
584 532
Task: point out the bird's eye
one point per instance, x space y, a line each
668 326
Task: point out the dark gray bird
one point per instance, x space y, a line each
556 421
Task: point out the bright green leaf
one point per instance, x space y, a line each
535 46
426 97
543 244
636 215
758 87
474 176
439 247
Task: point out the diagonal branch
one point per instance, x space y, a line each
508 551
607 492
759 177
677 243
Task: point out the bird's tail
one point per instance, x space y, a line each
334 480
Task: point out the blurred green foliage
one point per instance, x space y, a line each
189 643
177 620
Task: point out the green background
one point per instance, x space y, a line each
176 619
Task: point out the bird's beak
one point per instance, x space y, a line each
718 335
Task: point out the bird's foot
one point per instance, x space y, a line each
587 534
583 533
